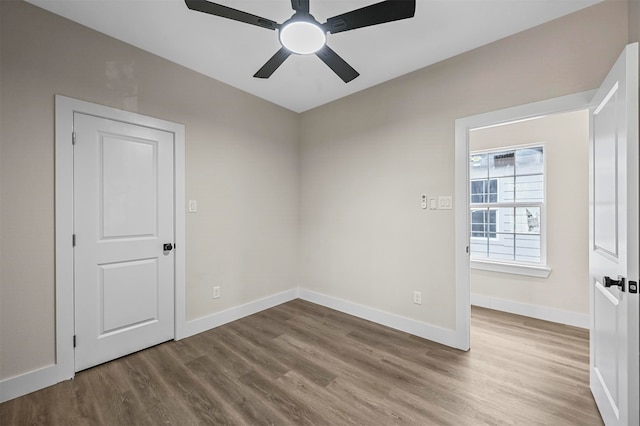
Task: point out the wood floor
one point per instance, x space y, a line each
300 363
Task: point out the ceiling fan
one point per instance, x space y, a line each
303 35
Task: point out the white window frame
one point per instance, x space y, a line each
541 269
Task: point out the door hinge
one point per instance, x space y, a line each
73 240
73 138
467 249
74 340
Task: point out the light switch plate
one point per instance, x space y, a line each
193 206
445 202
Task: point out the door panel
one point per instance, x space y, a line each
130 295
605 175
606 351
129 187
123 214
614 241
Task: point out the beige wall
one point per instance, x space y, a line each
366 159
241 158
566 145
344 178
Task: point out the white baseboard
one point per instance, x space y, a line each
199 325
534 311
47 376
32 381
417 328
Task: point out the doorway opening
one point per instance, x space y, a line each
499 134
529 222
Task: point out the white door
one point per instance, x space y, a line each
614 248
123 217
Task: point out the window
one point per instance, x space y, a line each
507 204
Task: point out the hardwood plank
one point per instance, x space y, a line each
286 402
336 410
300 363
187 390
292 360
250 354
248 408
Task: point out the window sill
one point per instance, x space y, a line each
511 268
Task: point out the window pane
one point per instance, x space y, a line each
528 248
478 224
505 219
504 188
529 161
528 220
502 163
506 233
529 188
491 225
484 191
479 249
483 223
501 247
493 191
477 191
478 166
508 247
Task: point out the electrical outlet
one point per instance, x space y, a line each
417 297
216 292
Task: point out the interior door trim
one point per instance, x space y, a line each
65 107
463 126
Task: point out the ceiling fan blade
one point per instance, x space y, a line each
273 63
300 5
337 64
379 13
229 13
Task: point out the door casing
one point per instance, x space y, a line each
578 101
65 108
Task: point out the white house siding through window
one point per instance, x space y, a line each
507 205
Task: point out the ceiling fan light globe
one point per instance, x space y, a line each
302 37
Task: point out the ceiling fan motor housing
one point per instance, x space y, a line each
302 34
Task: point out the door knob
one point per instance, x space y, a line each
608 282
167 247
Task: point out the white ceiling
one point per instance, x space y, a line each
232 52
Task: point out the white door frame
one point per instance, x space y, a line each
64 110
464 125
